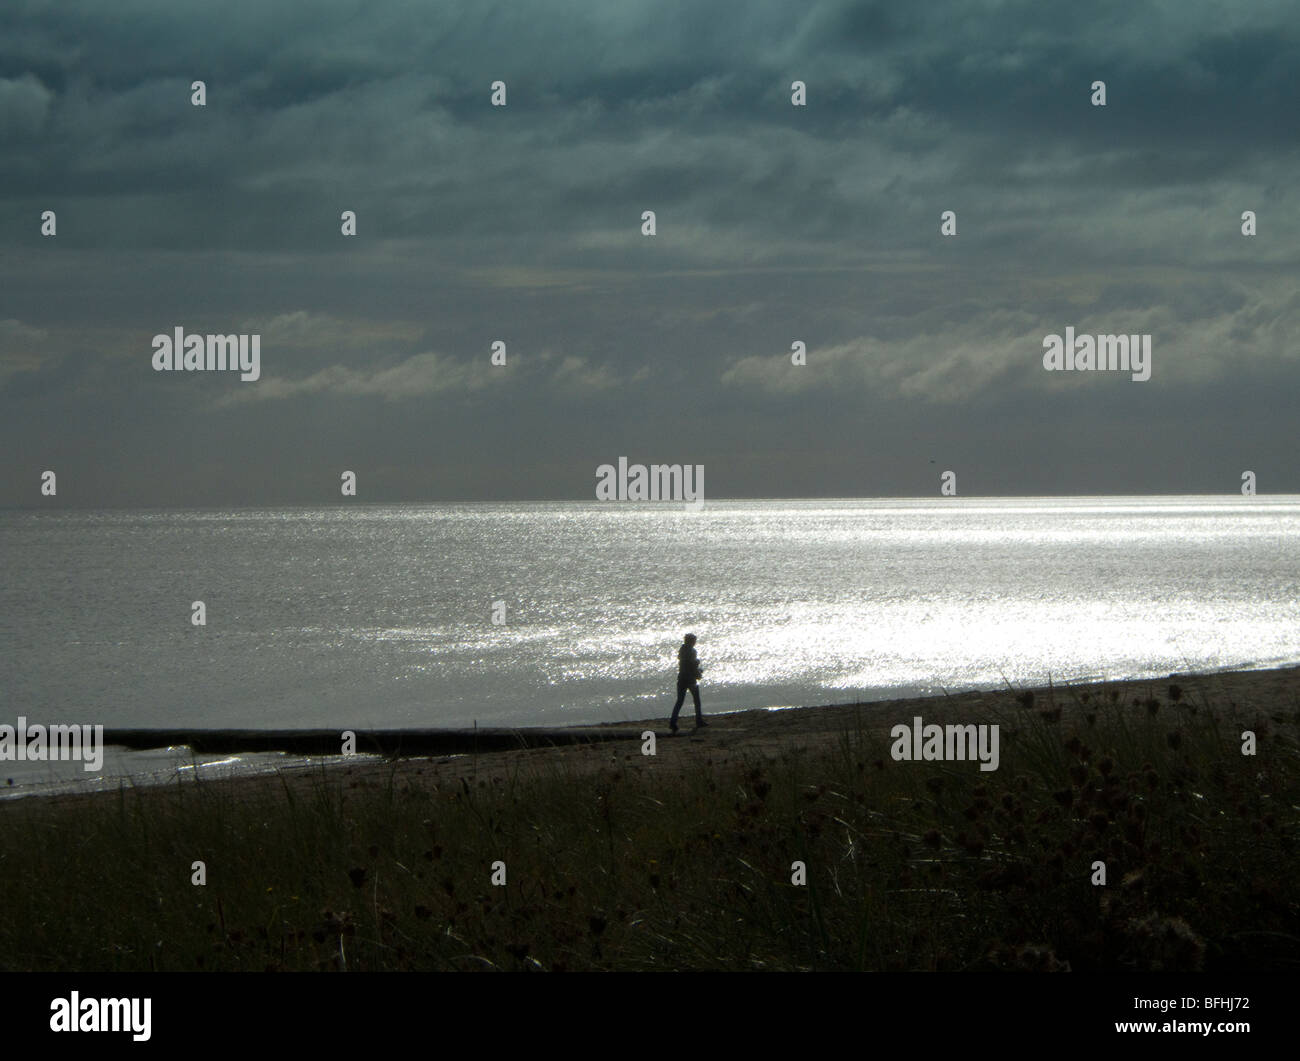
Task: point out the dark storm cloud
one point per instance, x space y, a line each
522 223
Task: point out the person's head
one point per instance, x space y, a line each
689 639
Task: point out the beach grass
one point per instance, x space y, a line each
909 865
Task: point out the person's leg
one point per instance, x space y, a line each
695 692
681 697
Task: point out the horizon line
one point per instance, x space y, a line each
353 502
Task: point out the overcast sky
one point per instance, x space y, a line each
522 223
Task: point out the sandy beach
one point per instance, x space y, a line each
1124 826
441 757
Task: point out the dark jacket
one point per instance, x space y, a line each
688 665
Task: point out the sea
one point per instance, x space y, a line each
357 616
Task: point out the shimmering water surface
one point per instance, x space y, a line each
372 615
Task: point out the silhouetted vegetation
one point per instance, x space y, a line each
910 865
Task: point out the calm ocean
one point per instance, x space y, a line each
382 615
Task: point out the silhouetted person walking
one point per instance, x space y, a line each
689 673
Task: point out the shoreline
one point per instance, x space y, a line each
409 742
822 842
442 754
